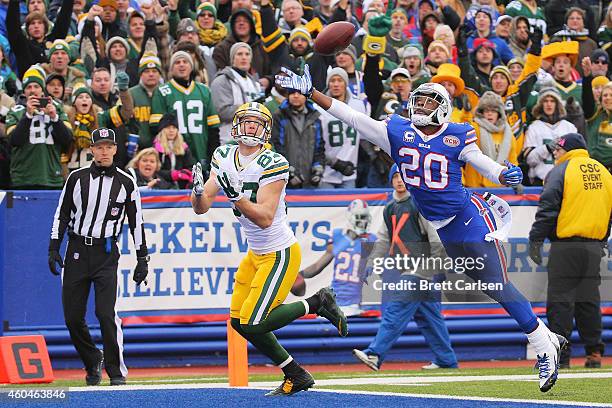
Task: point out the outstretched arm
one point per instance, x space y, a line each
492 170
374 131
313 270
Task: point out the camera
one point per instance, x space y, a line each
43 101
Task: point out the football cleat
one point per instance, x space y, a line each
370 360
330 310
94 374
432 366
293 384
118 380
548 362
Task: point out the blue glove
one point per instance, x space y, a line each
123 81
296 83
513 175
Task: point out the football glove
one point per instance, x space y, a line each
198 179
231 186
141 271
55 258
513 175
296 83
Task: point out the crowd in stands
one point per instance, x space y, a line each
168 75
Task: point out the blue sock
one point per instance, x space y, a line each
516 305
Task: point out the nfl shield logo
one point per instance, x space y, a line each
409 136
103 132
114 211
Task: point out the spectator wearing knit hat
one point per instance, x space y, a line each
117 49
37 132
341 142
150 71
598 83
210 30
549 124
347 60
575 30
192 102
599 118
234 86
445 34
411 58
174 155
242 27
142 33
484 22
59 60
187 33
399 20
437 54
30 48
55 86
600 63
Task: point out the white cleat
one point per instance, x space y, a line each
432 366
370 360
548 362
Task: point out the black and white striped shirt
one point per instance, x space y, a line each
95 202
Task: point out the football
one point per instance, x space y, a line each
335 37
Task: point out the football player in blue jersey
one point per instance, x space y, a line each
344 248
430 153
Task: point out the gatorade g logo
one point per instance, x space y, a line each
27 360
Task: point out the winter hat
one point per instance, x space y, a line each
206 6
516 60
441 45
350 50
186 25
491 100
59 45
181 54
149 61
401 12
443 31
340 72
600 54
300 32
487 10
410 50
53 76
543 93
483 42
235 49
599 81
501 69
35 74
571 141
118 39
169 119
80 88
394 169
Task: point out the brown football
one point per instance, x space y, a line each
334 37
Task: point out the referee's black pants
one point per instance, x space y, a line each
573 292
85 264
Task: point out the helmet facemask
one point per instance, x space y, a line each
252 125
434 108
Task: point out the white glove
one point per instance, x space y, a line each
296 83
231 185
198 179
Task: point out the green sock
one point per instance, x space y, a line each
279 317
265 343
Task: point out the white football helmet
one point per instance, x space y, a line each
359 216
253 113
433 98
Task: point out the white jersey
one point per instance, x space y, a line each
341 141
265 168
539 133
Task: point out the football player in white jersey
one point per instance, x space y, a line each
254 178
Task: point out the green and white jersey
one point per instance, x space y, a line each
38 161
266 167
341 141
535 16
194 110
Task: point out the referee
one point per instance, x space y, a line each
574 214
93 205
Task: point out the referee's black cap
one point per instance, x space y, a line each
103 135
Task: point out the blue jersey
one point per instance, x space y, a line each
432 169
346 282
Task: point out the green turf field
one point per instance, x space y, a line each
440 382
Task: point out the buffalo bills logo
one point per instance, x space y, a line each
409 136
114 211
451 141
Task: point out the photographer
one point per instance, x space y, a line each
38 131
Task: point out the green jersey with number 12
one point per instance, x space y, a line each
265 168
194 110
